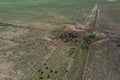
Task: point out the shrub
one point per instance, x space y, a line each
57 33
88 39
46 67
39 70
73 51
55 71
51 71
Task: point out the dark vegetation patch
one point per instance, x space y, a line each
117 42
73 51
75 36
89 39
51 71
118 45
68 36
71 36
44 63
57 33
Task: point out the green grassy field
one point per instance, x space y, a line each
44 11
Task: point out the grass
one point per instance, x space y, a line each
34 46
57 33
114 9
77 69
89 39
105 53
48 11
73 51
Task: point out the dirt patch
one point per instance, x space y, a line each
101 41
5 68
6 44
17 75
76 28
43 26
98 33
51 49
90 16
47 39
11 32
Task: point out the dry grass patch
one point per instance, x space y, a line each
5 68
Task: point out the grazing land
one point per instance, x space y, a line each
103 62
59 40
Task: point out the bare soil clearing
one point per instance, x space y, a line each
5 68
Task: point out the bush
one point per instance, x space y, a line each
88 39
73 51
57 33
